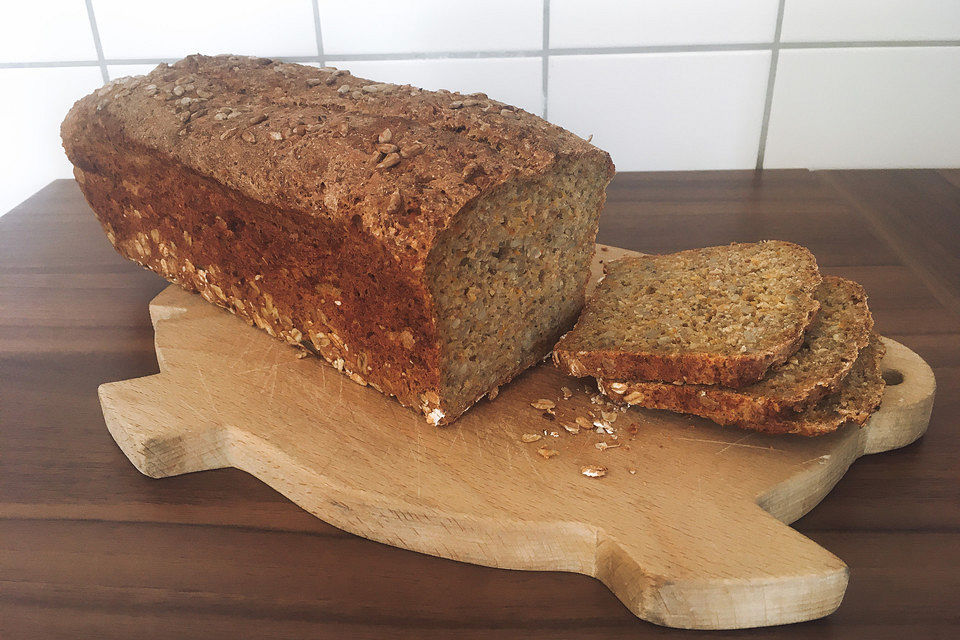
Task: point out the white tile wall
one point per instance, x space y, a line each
662 84
392 26
516 81
175 28
664 111
43 31
614 23
872 107
31 154
845 20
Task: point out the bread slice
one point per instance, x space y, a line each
838 333
858 397
720 315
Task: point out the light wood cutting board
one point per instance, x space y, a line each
688 528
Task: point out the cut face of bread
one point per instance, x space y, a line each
838 333
720 315
508 277
859 396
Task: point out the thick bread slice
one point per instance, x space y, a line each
720 315
838 333
859 396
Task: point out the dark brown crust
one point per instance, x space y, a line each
733 371
298 235
858 397
683 368
761 402
329 171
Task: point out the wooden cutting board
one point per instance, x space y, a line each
688 528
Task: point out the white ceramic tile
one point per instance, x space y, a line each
175 28
516 81
397 26
866 108
664 111
44 31
30 129
120 70
841 20
615 23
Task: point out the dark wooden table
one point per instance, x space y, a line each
90 548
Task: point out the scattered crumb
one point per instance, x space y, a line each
571 428
593 471
301 355
583 423
567 394
606 445
603 427
609 416
530 437
553 434
633 429
547 453
543 403
632 472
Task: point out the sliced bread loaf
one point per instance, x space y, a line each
720 315
859 396
838 333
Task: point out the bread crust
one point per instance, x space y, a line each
857 397
728 369
308 209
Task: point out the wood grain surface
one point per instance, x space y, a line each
664 529
90 548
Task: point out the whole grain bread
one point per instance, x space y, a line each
858 397
840 330
430 244
720 315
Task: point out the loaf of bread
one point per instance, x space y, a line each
430 244
857 398
719 315
840 330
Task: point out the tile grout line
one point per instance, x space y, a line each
522 53
101 61
869 44
771 82
318 32
545 59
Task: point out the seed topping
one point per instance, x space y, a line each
392 160
593 470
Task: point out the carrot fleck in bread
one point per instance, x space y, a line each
840 330
720 315
430 244
858 397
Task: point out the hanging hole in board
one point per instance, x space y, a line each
892 377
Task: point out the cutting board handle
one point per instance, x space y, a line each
907 401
